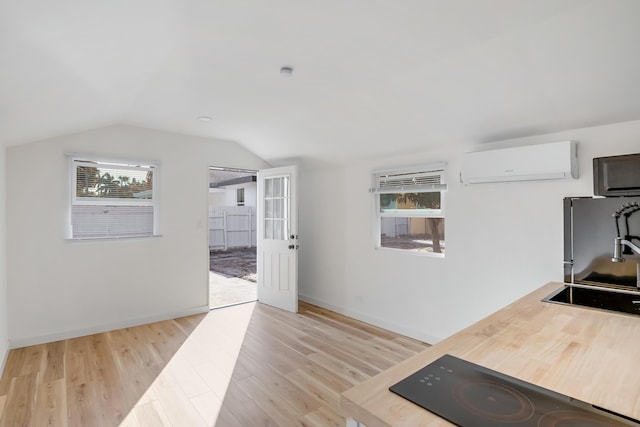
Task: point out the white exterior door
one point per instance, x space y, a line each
277 252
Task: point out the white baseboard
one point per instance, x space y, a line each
80 332
381 323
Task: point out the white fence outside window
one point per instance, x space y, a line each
394 227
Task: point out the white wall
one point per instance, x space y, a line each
61 288
503 240
4 319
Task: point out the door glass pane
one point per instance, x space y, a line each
268 208
282 187
276 208
268 229
268 187
278 232
285 186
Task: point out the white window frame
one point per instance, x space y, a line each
415 179
76 161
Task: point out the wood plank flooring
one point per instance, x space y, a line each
246 365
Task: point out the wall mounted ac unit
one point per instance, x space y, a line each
552 161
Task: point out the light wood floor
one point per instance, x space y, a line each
246 365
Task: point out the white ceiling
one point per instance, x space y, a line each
371 77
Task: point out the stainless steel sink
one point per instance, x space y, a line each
610 300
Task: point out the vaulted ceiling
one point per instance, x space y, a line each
370 77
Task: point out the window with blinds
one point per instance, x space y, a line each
409 208
112 200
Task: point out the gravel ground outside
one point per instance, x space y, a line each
236 262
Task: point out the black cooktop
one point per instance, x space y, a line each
471 395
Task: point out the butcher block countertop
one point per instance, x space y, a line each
587 354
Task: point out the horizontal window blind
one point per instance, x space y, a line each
409 182
111 221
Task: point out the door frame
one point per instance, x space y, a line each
228 169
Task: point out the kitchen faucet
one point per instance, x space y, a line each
627 210
619 243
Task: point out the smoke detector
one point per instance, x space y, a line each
286 71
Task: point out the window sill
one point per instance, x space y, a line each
94 239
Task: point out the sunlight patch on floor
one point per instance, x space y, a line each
224 291
191 388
